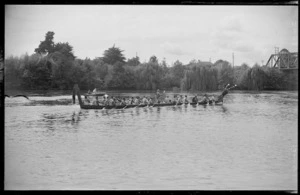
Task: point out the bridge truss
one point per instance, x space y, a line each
284 60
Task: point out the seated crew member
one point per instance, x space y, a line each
180 99
136 101
86 100
96 102
167 100
212 99
106 102
113 101
195 99
120 100
132 100
128 101
144 100
123 102
205 99
174 100
163 97
150 101
102 102
105 99
157 93
185 99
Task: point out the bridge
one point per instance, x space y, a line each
283 60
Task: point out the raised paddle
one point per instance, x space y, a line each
232 87
153 105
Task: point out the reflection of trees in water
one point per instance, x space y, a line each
76 117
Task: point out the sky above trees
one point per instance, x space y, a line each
175 33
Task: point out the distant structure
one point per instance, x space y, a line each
283 60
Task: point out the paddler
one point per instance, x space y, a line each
144 100
195 99
179 99
163 97
150 101
205 99
136 101
86 100
185 100
123 102
212 99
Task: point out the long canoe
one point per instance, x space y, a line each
76 91
84 106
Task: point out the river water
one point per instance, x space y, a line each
248 143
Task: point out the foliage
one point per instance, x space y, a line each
46 46
54 66
113 55
135 61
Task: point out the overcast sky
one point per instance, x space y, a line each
172 32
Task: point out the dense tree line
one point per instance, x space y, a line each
54 66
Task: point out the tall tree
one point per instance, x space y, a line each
46 46
134 61
153 59
113 55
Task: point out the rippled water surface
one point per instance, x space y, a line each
250 142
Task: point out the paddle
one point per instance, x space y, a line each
232 87
138 105
153 105
227 85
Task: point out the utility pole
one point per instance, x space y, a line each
233 66
136 59
276 50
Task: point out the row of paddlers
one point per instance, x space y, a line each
147 105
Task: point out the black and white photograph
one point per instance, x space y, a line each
150 97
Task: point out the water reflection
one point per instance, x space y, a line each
155 147
224 109
158 110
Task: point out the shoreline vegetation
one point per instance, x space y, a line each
53 66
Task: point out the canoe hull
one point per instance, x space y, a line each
139 106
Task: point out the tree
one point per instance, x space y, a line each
46 46
59 59
65 49
133 61
178 69
153 59
113 55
